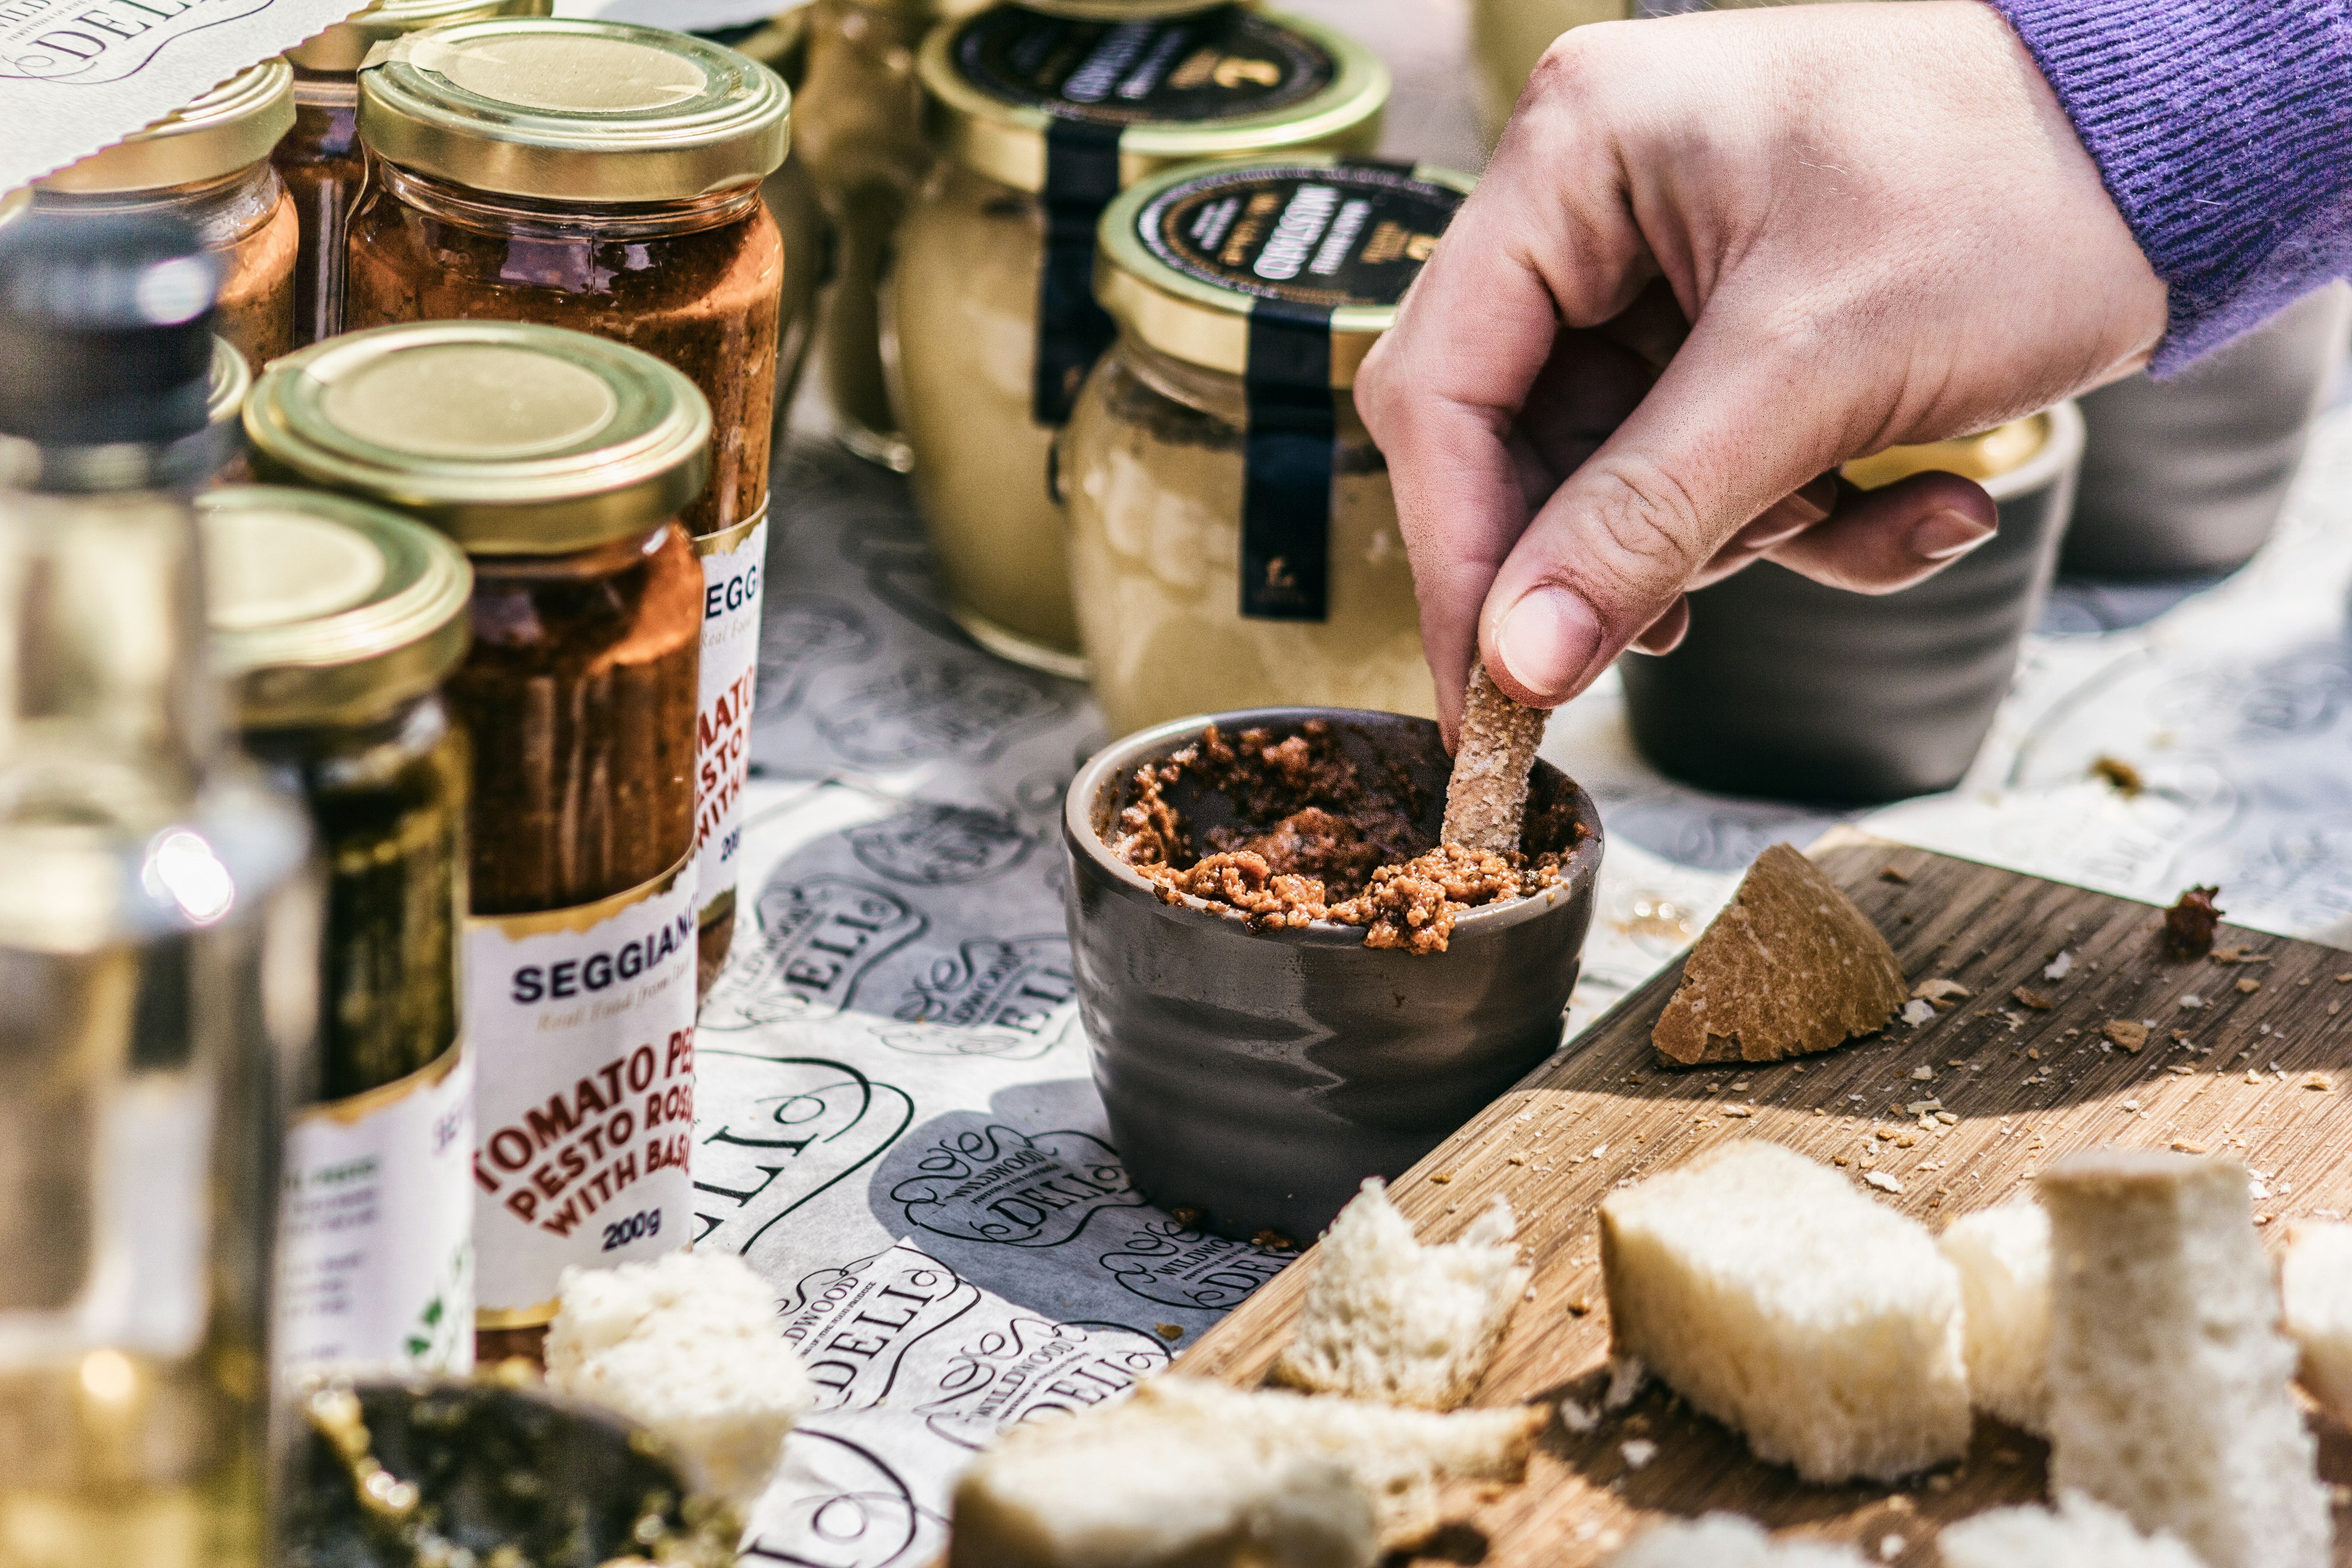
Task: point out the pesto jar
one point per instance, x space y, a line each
225 395
1233 539
594 175
1040 121
558 462
320 158
334 625
208 165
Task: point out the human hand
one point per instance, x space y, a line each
1880 229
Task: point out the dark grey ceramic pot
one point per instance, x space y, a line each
1261 1078
1795 692
2189 475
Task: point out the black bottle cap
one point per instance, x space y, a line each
105 329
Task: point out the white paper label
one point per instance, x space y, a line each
79 75
581 1023
377 1266
731 563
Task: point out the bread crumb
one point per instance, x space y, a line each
2254 1077
2123 778
1638 1452
1892 874
1274 1241
1579 1306
1883 1182
2190 1001
2033 999
1947 1119
2188 1146
1169 1331
2131 1036
1891 1547
2250 986
1924 1073
1577 1418
1515 1159
1190 1218
2318 1080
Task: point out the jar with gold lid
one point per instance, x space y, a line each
559 463
595 176
320 158
1040 121
334 624
209 165
1233 539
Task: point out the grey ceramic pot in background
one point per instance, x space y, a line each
1788 690
1260 1077
2189 475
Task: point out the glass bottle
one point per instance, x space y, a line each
1040 120
559 463
158 944
335 624
320 158
1233 538
209 165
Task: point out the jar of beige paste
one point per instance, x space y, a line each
1233 541
1040 120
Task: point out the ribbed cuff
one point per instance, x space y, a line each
2224 130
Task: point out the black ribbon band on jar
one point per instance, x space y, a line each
1073 331
1286 466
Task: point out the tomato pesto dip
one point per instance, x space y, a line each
1321 838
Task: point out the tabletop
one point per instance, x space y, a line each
897 1124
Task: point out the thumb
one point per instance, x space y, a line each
1713 445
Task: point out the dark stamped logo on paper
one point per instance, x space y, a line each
998 1185
794 1127
816 939
855 1324
1031 1367
931 845
1179 1266
1009 999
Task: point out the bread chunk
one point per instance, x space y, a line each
1389 1319
1789 967
1020 1504
2078 1533
1778 1299
1487 795
2169 1396
2003 1256
688 1347
2315 1282
1727 1541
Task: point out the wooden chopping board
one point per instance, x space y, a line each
2018 1085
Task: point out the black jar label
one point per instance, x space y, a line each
1212 65
1355 234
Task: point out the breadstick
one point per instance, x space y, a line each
1487 795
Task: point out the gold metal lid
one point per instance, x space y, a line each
232 378
1231 82
512 438
1187 255
574 111
343 47
230 128
325 610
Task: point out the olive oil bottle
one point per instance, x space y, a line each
157 936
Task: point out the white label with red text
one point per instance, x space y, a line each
376 1244
582 1026
731 566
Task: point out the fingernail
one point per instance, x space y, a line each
1946 535
1547 641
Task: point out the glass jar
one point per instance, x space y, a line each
593 175
780 44
1508 37
558 462
993 325
320 158
209 165
334 624
1234 540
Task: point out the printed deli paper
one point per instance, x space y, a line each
79 75
897 1124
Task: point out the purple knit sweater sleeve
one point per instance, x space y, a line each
2224 130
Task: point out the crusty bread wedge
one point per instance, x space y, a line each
1389 1319
2003 1256
1774 1296
2077 1533
1039 1499
2169 1396
1487 794
2316 1285
1789 967
688 1347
